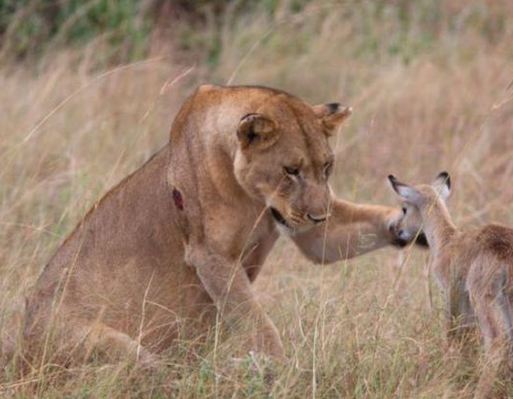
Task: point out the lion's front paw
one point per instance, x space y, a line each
268 343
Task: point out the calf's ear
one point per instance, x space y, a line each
406 192
442 185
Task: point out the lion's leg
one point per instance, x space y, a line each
114 343
229 287
351 230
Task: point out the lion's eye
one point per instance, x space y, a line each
291 170
328 168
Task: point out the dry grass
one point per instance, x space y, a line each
428 96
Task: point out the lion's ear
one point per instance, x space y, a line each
256 131
332 115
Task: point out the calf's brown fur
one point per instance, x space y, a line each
473 268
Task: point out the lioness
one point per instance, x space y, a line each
184 236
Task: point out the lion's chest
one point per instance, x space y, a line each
255 254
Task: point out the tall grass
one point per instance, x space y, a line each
430 83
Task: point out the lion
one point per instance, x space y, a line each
178 243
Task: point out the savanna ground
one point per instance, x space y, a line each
430 85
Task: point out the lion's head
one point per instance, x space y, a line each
284 158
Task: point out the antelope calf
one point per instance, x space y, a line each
474 270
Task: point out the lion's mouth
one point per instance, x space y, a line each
279 217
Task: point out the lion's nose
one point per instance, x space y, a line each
317 218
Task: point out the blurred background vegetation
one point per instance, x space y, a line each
128 30
88 92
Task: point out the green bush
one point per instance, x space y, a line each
31 26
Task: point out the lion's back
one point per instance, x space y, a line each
118 259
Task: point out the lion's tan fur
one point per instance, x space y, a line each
139 271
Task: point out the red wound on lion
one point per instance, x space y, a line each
177 197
